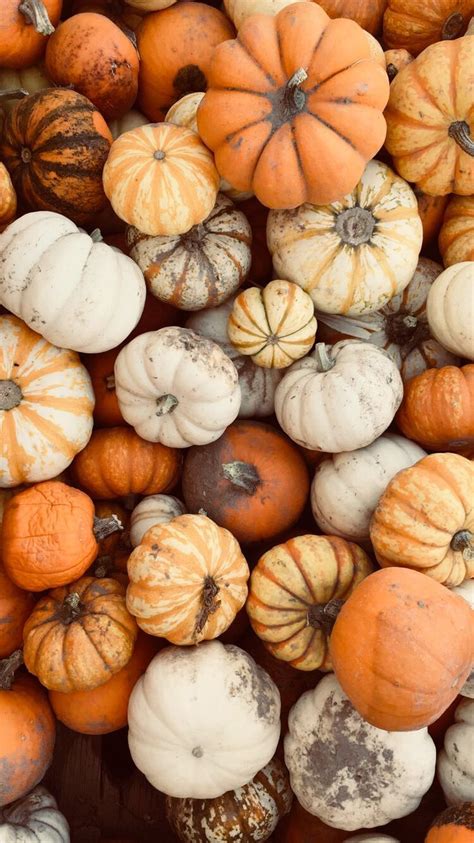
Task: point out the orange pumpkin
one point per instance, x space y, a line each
415 24
367 13
116 463
395 671
101 369
15 607
187 34
456 238
454 825
301 827
431 210
438 408
120 539
7 197
112 566
24 27
395 60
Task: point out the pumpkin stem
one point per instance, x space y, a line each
35 13
406 330
96 236
209 604
323 360
324 617
295 94
452 27
355 226
104 527
166 404
71 608
8 668
392 71
464 540
242 474
10 395
459 130
13 94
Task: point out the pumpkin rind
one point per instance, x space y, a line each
450 309
16 606
455 767
419 23
153 510
456 237
466 591
36 817
23 36
454 825
7 197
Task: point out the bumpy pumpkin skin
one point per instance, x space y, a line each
416 24
16 606
454 825
456 238
23 36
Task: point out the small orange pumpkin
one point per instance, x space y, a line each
454 825
15 607
395 60
415 24
456 238
101 369
367 13
7 197
24 27
431 210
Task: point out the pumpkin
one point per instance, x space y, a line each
165 381
46 403
415 25
124 14
455 767
428 128
15 84
101 370
187 34
407 686
454 825
161 160
15 607
294 590
79 636
102 710
131 120
322 401
367 13
353 256
34 818
395 60
54 145
250 813
150 5
270 113
336 760
466 591
153 510
438 408
99 304
120 539
7 196
188 580
92 54
27 731
372 838
456 236
425 519
346 487
450 309
202 267
251 481
24 25
431 210
232 722
240 10
301 827
113 566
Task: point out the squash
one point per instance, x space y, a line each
310 150
295 589
419 23
346 487
231 728
252 481
321 402
395 60
27 731
250 813
454 825
399 688
7 197
151 511
336 760
131 120
101 370
353 256
46 403
367 13
24 27
239 10
450 309
372 838
466 591
455 767
456 237
95 295
36 817
431 210
15 607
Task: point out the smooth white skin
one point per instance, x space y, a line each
34 819
152 510
455 766
450 309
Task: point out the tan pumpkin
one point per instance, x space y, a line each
416 24
239 10
395 60
456 237
450 309
7 197
153 510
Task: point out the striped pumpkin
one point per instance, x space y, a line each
161 179
188 580
46 403
55 144
296 591
456 238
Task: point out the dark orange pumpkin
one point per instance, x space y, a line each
15 607
367 13
415 24
431 210
24 27
101 369
455 825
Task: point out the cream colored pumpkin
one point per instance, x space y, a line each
76 292
339 399
150 5
455 766
346 487
153 510
131 120
450 309
371 838
203 720
176 387
34 818
274 326
356 254
240 10
466 591
348 773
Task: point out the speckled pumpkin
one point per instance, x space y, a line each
456 237
395 60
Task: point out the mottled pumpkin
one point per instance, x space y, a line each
416 24
456 237
24 27
15 607
454 825
7 197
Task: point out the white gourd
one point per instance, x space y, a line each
34 818
153 510
466 591
455 766
450 309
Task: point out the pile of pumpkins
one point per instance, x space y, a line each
237 409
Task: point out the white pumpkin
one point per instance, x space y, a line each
131 120
153 510
240 10
450 309
371 838
176 387
346 487
34 819
356 254
76 292
203 720
466 591
455 766
340 398
348 773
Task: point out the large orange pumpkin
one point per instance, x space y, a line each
24 27
456 238
15 607
294 107
367 13
415 24
454 825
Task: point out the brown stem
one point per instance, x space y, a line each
392 71
13 94
8 668
166 404
296 96
71 608
452 27
104 527
324 617
323 360
35 13
242 474
463 540
355 226
459 130
209 604
10 395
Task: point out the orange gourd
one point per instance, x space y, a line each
7 197
367 13
456 237
415 24
395 60
454 825
24 27
431 210
101 369
15 607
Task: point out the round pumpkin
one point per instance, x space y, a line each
431 210
24 27
398 675
466 591
454 825
450 309
7 196
15 607
35 818
395 60
240 10
101 370
456 237
455 766
367 13
153 510
419 23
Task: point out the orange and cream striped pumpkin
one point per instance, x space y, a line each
46 403
188 580
161 179
456 237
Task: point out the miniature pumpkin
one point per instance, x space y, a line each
153 510
124 14
15 607
466 591
24 26
455 766
270 113
341 504
425 519
407 686
36 817
456 237
250 813
79 636
431 210
438 408
294 590
46 403
416 25
7 196
395 60
99 304
131 120
118 540
27 731
454 825
450 309
202 267
367 13
251 481
240 10
356 254
231 728
101 370
321 402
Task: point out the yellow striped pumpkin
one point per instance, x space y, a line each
46 403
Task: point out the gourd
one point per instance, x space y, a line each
466 591
457 231
15 607
34 819
416 25
153 510
8 201
455 767
131 120
239 10
24 27
367 13
450 309
454 825
395 60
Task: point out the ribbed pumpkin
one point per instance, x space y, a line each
456 237
425 519
296 591
367 13
431 210
454 825
450 309
101 370
416 24
24 27
7 197
395 60
15 607
153 510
